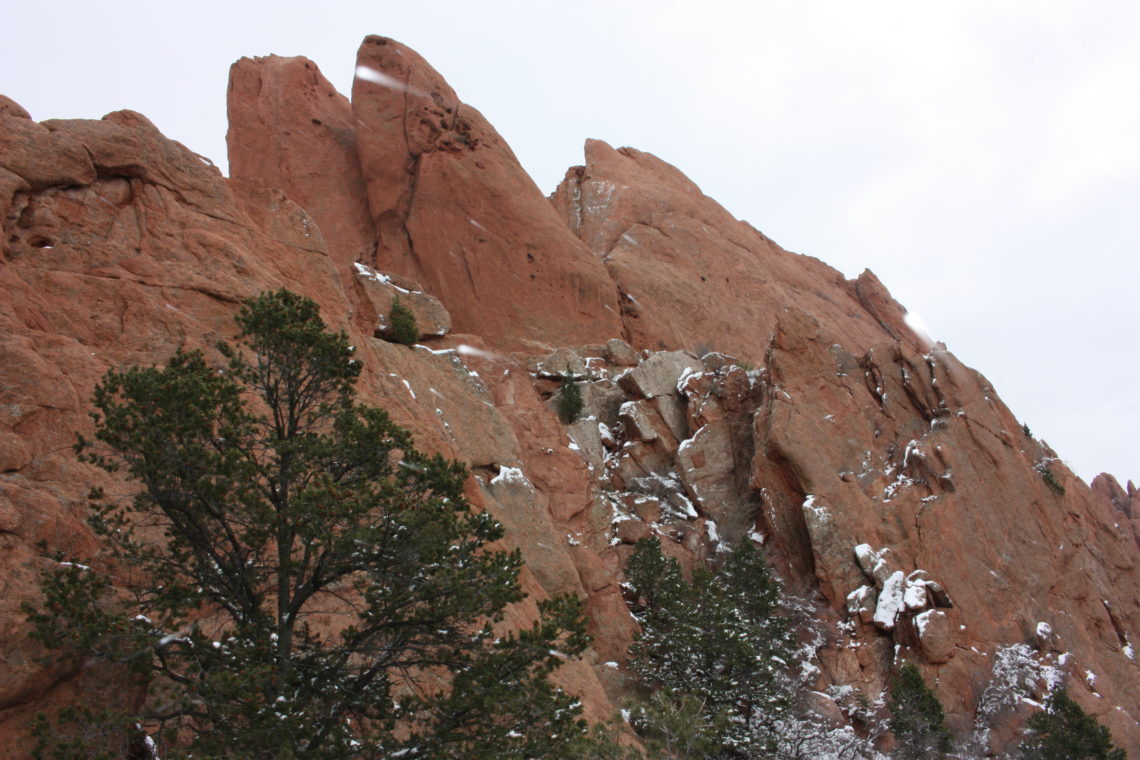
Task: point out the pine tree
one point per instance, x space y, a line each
300 581
1066 732
680 727
917 719
569 399
718 638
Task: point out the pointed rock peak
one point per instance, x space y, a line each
889 313
394 81
454 210
290 129
638 163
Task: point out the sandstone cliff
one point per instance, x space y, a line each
734 390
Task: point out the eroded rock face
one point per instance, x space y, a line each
453 209
290 129
883 478
914 452
692 277
119 246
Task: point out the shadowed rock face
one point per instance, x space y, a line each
886 479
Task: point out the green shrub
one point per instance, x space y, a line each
569 399
1050 478
714 649
402 323
917 719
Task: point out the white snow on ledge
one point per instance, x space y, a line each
368 273
510 475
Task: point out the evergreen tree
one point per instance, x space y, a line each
680 726
300 581
403 328
569 399
917 719
1066 732
718 638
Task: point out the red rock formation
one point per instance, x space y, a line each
291 130
454 209
410 180
693 277
883 476
120 245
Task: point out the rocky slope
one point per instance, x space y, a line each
734 390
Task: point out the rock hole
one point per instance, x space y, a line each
530 258
40 242
316 121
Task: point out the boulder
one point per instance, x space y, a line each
637 417
890 602
936 636
559 363
861 604
620 354
632 531
659 373
382 290
707 468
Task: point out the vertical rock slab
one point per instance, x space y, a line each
290 129
454 210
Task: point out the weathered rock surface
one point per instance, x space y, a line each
693 277
383 291
914 452
290 129
120 245
881 475
454 210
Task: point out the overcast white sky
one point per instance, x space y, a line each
981 157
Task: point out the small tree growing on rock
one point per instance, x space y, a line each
569 398
917 719
403 327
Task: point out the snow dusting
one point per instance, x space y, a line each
890 601
510 475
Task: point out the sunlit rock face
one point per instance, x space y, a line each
691 275
732 390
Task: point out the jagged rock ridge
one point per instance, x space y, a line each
883 476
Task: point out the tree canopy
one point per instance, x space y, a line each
717 650
917 718
1063 731
294 578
